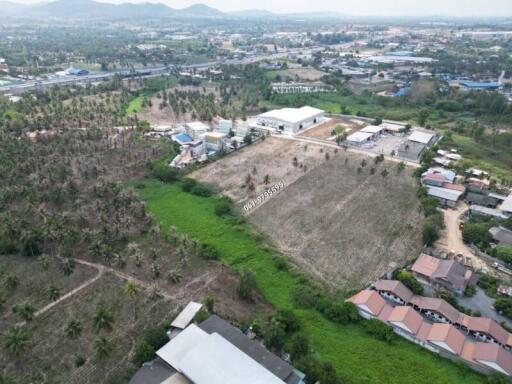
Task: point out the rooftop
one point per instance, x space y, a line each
421 137
359 137
292 115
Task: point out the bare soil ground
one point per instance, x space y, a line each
273 157
324 131
301 73
342 226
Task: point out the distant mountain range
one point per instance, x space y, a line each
90 9
94 10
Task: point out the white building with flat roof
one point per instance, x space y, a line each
196 129
291 120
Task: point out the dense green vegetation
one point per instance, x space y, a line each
345 345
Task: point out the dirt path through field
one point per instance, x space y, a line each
205 280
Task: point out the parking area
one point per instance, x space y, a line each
386 144
483 303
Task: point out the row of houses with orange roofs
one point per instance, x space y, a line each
435 325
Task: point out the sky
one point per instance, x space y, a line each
461 8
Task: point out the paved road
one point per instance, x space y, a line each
484 304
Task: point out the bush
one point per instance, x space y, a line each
288 320
431 228
209 252
281 263
380 330
410 282
504 305
187 184
246 285
154 339
201 190
274 336
342 313
165 173
476 233
306 296
470 291
299 347
504 254
223 208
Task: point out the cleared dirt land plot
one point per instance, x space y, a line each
342 226
52 355
324 131
34 283
301 73
273 157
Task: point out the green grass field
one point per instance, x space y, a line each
135 106
358 357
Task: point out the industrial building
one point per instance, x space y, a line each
214 352
417 142
290 120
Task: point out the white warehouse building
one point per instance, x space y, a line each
291 120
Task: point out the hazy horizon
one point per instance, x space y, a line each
458 8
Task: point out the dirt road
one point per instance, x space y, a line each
451 237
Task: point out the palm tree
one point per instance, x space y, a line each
53 292
74 329
11 282
266 179
25 311
15 341
132 290
103 347
103 318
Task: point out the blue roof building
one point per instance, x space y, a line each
475 85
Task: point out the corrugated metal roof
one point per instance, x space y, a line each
444 193
252 348
214 360
421 137
186 315
507 204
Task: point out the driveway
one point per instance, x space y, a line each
484 304
451 236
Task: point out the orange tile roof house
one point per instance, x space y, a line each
406 318
494 357
437 326
369 303
447 337
448 274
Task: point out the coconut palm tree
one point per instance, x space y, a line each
102 346
16 341
74 329
53 292
11 281
132 290
103 319
25 311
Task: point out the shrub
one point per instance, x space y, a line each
476 233
410 282
222 208
187 184
209 252
281 263
165 173
153 339
504 254
504 305
299 346
274 336
380 330
470 291
342 313
306 296
288 320
246 285
201 190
